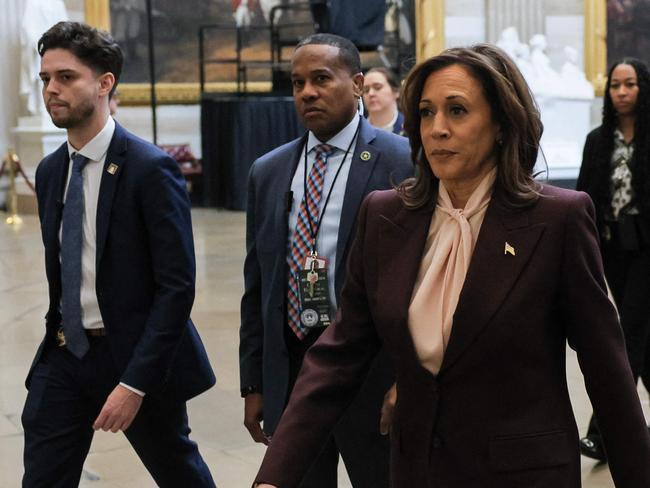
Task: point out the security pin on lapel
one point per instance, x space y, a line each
112 169
509 250
365 156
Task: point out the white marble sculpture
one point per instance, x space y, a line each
522 59
39 16
509 41
547 79
574 77
564 99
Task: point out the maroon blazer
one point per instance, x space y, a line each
498 414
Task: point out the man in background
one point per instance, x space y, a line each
120 352
303 200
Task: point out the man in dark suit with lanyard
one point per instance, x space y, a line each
303 199
120 352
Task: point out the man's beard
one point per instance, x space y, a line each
76 117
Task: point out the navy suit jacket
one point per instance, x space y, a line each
498 414
263 355
145 266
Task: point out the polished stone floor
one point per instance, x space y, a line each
216 416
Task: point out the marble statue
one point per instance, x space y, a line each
39 16
548 80
509 41
574 77
564 99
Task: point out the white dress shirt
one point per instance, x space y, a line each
95 151
329 230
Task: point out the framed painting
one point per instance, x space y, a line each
175 26
628 30
176 38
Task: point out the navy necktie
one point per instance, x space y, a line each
71 245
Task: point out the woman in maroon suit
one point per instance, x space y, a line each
474 277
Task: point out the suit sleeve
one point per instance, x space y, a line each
165 207
586 168
332 373
251 330
594 332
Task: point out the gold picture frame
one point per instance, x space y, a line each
595 49
429 28
97 14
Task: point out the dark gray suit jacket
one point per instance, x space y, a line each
264 361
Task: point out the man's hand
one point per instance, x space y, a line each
264 485
119 410
253 405
387 409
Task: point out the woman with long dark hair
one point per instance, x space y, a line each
615 172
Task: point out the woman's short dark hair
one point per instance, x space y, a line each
390 76
513 108
94 48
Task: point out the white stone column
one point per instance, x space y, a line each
526 15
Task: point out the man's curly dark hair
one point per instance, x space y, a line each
94 48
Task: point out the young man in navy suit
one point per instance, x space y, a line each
120 352
297 248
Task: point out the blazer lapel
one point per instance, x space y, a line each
492 273
363 162
113 167
400 246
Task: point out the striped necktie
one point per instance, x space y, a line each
303 235
71 245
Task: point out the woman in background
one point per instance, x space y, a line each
380 95
615 172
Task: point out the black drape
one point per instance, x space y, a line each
235 131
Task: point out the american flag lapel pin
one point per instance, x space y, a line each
112 168
509 250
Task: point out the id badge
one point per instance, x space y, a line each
314 293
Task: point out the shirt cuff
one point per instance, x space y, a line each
134 390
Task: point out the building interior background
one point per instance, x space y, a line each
562 46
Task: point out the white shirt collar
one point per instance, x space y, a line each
341 141
97 147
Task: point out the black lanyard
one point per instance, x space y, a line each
313 233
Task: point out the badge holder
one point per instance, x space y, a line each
314 293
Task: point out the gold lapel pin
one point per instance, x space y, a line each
112 168
509 250
365 156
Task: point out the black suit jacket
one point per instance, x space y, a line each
263 355
145 268
498 414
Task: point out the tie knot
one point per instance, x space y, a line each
324 150
78 162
